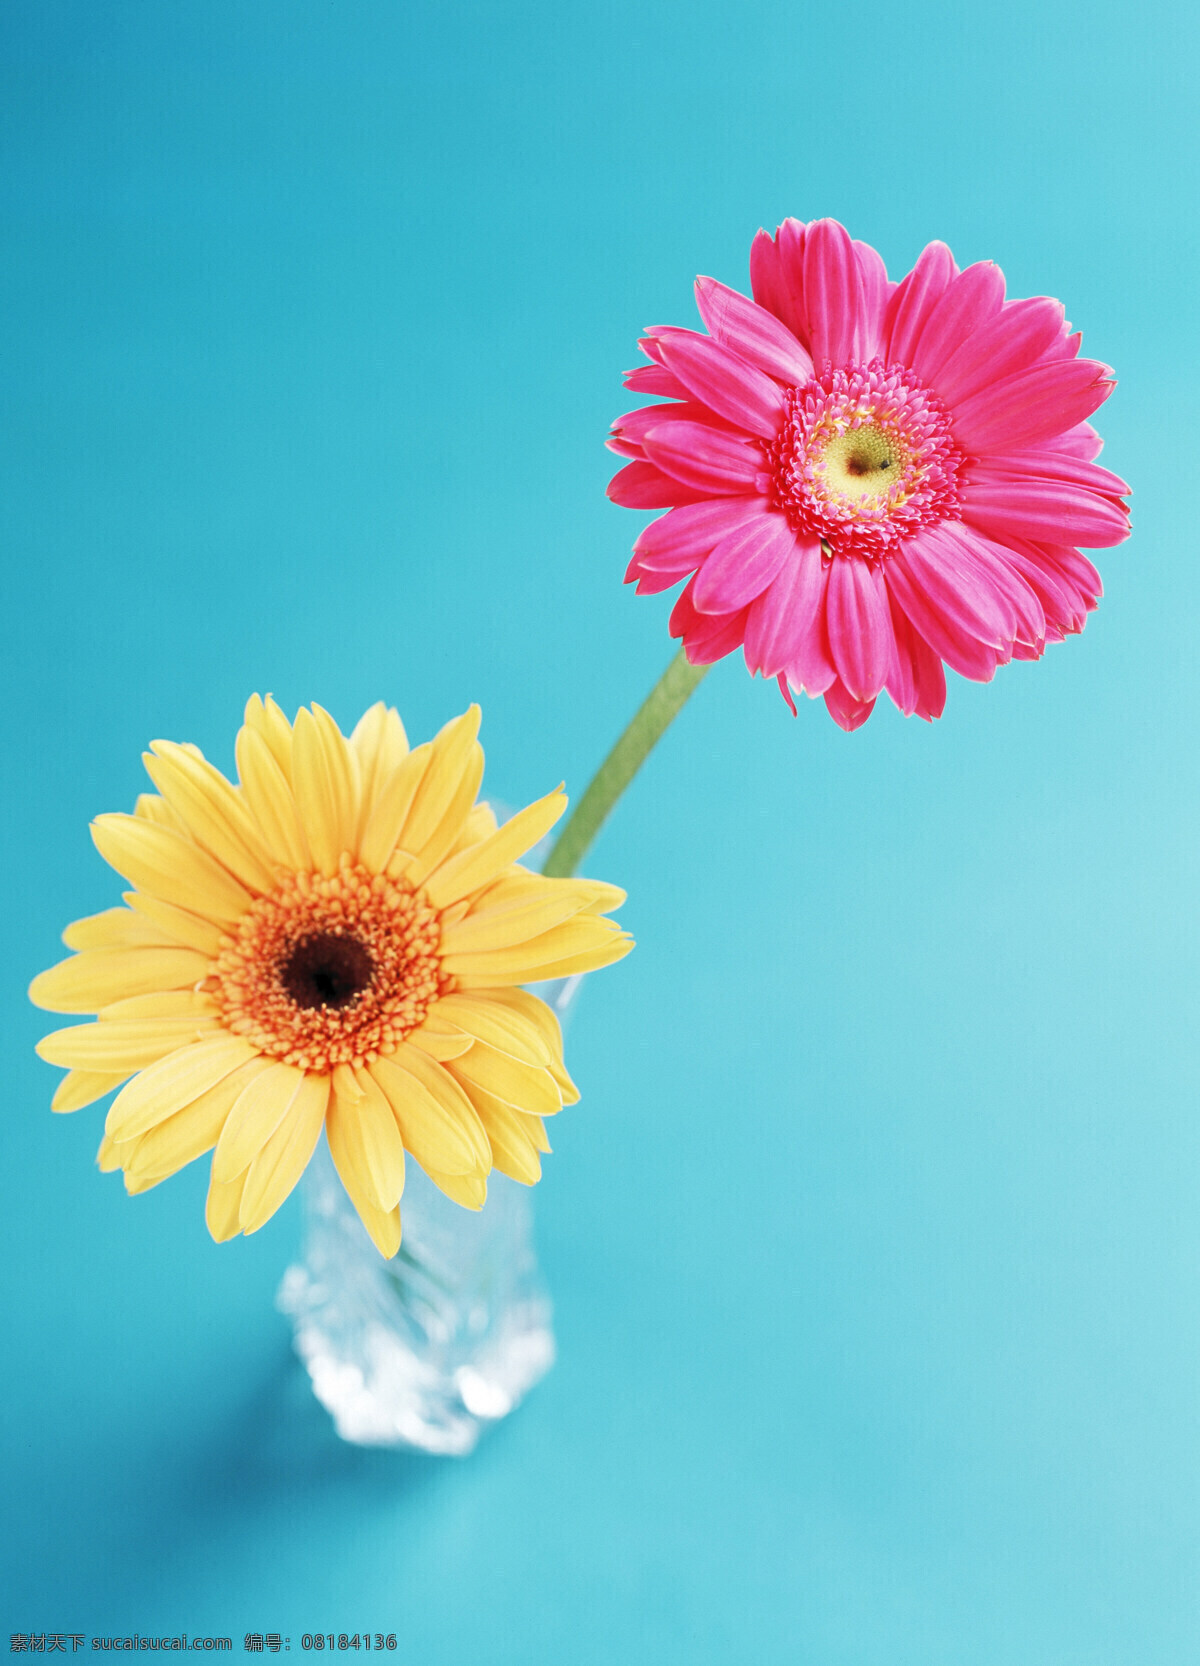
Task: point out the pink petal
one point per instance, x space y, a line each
624 448
834 295
1075 567
902 677
1025 619
1022 334
947 638
706 638
1053 464
859 626
781 679
1074 584
709 459
777 276
916 681
651 581
811 668
678 542
785 627
655 380
642 486
1065 607
744 563
951 604
876 293
969 304
752 332
1029 506
933 574
913 299
931 679
630 427
723 381
1032 405
1080 441
847 712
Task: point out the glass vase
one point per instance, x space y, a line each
427 1349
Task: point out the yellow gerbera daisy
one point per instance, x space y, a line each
338 942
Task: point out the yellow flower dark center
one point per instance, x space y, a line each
327 971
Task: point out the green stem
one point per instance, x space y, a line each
662 703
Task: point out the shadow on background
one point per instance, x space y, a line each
148 1499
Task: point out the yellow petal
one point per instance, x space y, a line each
473 868
579 935
514 921
97 976
323 780
523 1086
513 1151
269 799
603 898
385 818
468 1189
479 825
275 1171
513 884
83 1087
379 1144
545 1019
136 1184
345 1084
442 840
169 866
519 884
173 1082
114 1046
212 810
115 928
181 926
267 720
340 1131
451 753
172 1144
345 1147
536 1129
437 1121
150 807
503 1028
439 1044
112 1154
168 1003
254 1116
381 746
384 1228
494 978
223 1207
343 770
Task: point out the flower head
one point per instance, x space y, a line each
337 942
867 479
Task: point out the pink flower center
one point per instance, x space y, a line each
864 459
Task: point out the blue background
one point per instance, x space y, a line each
874 1239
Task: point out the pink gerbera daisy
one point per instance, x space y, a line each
865 478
